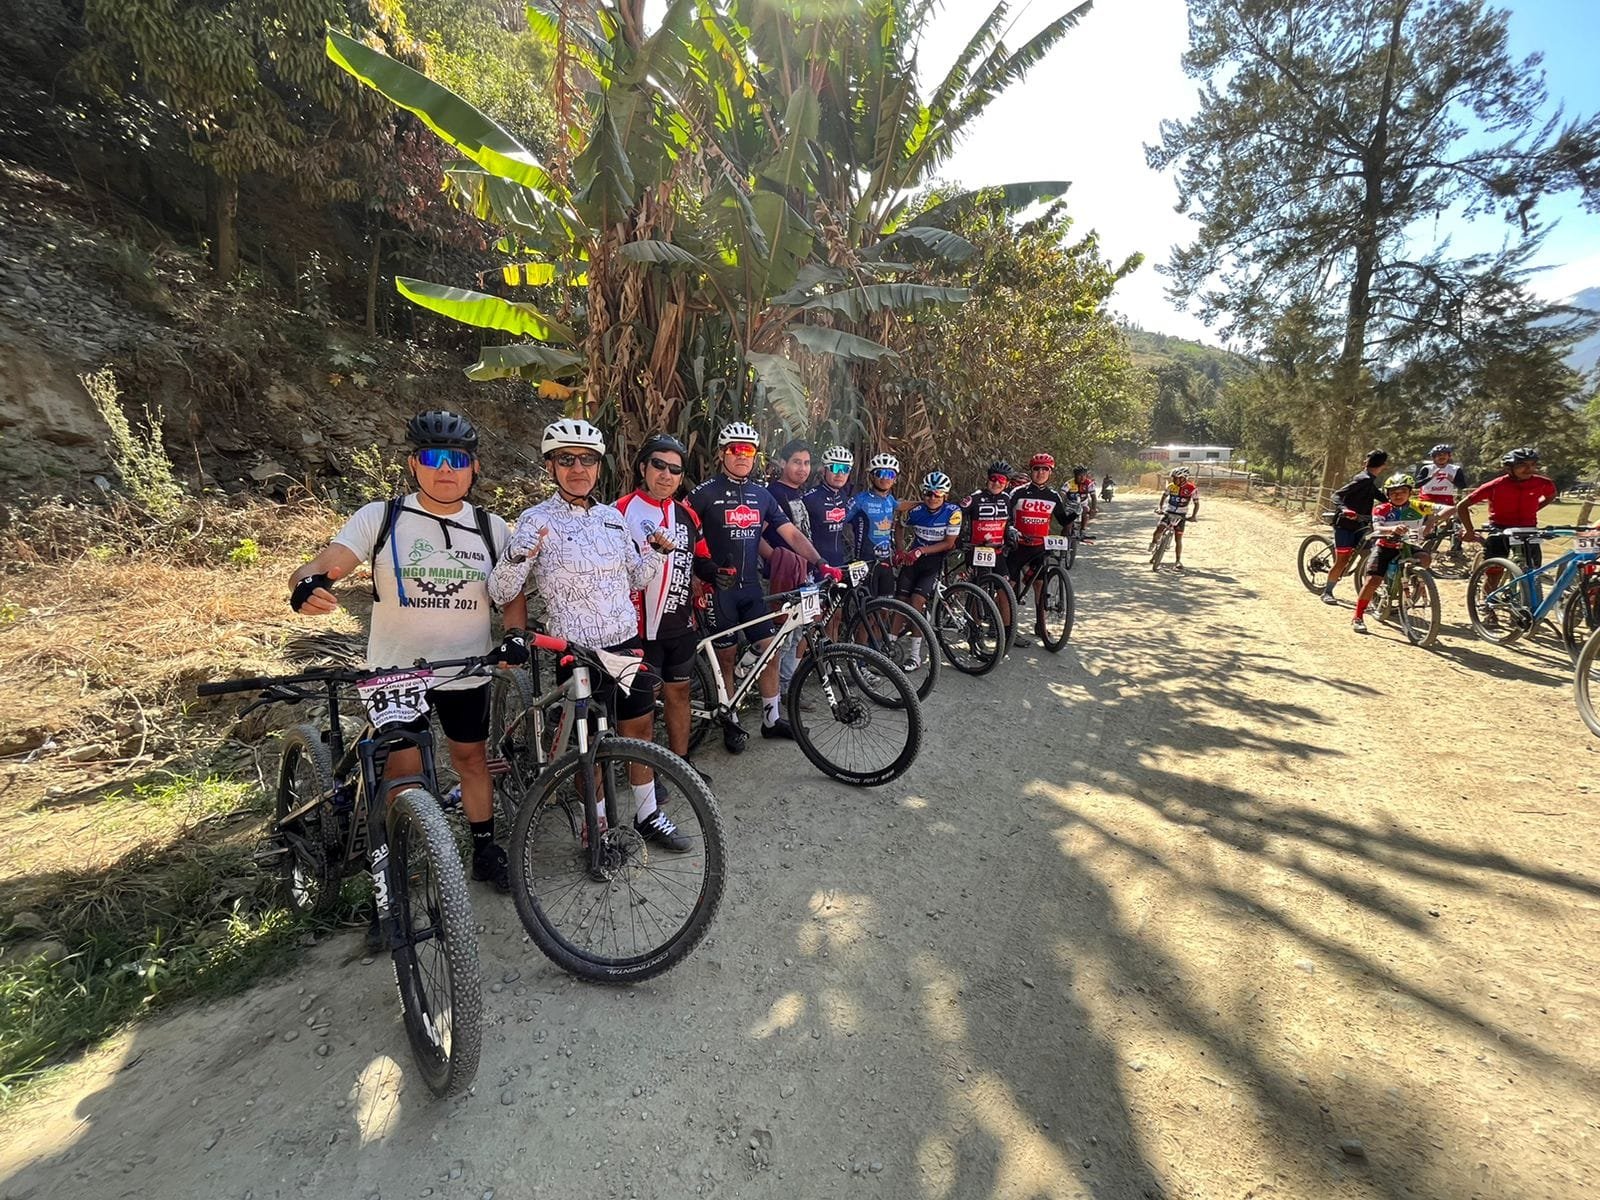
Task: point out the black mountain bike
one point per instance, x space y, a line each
1055 604
981 566
329 825
867 619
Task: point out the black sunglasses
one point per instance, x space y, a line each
657 464
575 460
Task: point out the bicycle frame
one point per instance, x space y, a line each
791 624
1566 569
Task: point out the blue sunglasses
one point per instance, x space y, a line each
885 473
434 457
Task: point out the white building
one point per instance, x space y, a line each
1220 455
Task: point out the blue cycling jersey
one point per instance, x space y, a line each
829 509
930 526
871 517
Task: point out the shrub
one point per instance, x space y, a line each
140 458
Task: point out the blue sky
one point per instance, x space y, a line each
1085 113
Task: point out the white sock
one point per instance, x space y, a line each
644 798
916 649
774 706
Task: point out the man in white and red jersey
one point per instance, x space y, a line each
666 604
1033 507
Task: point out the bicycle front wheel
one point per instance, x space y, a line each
1418 604
637 909
436 962
1585 687
841 728
1494 602
872 627
1005 598
1315 560
967 623
1580 615
1057 607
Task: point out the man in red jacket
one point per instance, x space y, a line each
1515 499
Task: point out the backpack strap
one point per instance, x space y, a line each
486 532
391 514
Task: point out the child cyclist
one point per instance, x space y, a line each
1388 517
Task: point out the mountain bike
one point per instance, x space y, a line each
855 715
1171 522
1316 557
980 566
1408 595
328 825
1055 604
870 620
598 899
1507 599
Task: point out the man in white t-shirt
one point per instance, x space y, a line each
431 556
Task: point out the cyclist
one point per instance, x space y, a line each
1034 507
827 505
666 604
1397 506
935 526
872 515
1441 481
431 553
733 512
986 517
1083 489
580 556
785 569
1017 479
1514 499
1353 504
1181 497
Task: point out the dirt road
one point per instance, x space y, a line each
1221 902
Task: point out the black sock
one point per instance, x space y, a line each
482 836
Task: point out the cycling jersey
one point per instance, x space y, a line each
930 526
1440 484
987 517
732 516
871 518
1034 507
665 607
1177 499
829 509
1513 504
1359 495
792 501
1393 514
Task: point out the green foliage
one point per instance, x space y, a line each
374 474
140 458
11 612
487 55
245 553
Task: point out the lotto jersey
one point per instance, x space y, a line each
1412 512
1034 508
872 517
732 516
930 526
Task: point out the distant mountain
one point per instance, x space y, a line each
1586 354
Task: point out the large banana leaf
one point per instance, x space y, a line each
441 110
923 242
780 381
1011 197
819 339
855 303
526 361
482 310
789 167
659 253
528 213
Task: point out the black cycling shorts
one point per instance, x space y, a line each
1347 538
735 606
637 701
1498 545
919 578
1379 561
463 713
882 579
1019 559
672 657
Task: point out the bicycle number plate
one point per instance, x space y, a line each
983 556
810 604
395 699
1409 531
1056 542
1586 541
856 573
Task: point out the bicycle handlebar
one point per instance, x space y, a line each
258 683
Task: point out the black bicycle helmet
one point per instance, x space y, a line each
440 428
658 442
1521 454
1441 448
1079 471
1001 467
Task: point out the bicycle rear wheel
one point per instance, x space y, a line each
998 586
967 623
513 756
871 627
845 733
1163 540
646 908
1417 602
1495 605
1585 685
1315 559
308 865
436 963
1057 608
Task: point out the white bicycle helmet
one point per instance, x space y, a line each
838 456
936 481
738 431
884 462
571 431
